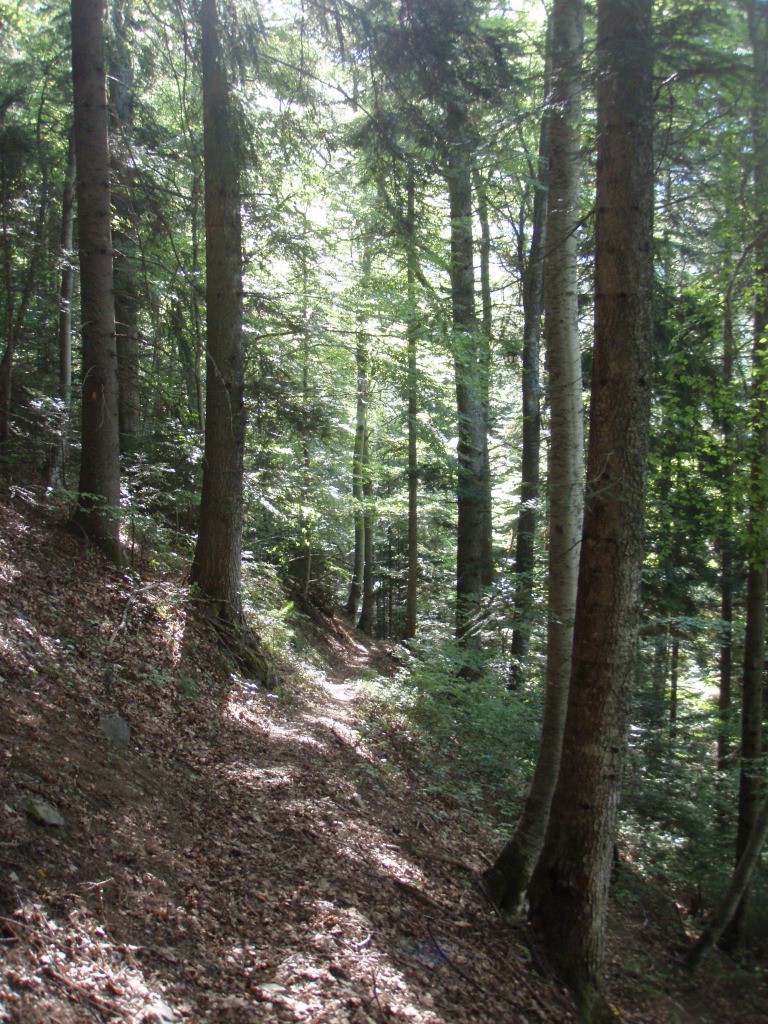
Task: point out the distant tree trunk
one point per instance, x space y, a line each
411 598
126 287
216 565
472 427
57 459
368 607
305 519
15 316
726 564
569 889
485 345
726 653
674 671
533 281
751 775
361 420
199 404
305 524
179 330
98 512
734 895
508 879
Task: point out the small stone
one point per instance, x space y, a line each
161 1011
116 730
270 989
43 813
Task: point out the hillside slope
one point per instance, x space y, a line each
242 856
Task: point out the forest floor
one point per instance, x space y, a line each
246 856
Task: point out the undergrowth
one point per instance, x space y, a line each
476 739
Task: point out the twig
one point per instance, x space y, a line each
124 620
438 858
416 893
107 1005
376 996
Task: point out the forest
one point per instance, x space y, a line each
441 325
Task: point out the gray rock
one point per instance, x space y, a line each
162 1010
43 813
116 730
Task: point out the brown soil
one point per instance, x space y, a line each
249 857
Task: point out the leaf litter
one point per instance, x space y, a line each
236 856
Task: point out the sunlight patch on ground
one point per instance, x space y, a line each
247 714
7 573
259 778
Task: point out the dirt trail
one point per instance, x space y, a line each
248 857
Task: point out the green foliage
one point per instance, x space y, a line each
478 740
679 812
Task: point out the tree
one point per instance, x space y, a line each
508 878
216 567
12 160
99 487
362 396
733 897
470 388
126 288
751 774
533 281
412 586
55 470
569 889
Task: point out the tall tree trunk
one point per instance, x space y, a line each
305 519
15 317
485 347
411 597
533 298
126 286
56 461
733 897
368 606
361 420
98 512
508 879
674 673
751 774
569 889
726 560
472 427
216 565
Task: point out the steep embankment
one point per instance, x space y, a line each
240 856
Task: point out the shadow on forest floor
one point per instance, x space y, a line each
247 857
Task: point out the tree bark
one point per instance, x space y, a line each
98 512
216 565
15 319
751 774
126 287
733 897
726 561
533 299
508 880
361 421
569 889
57 459
368 606
485 354
472 426
412 586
